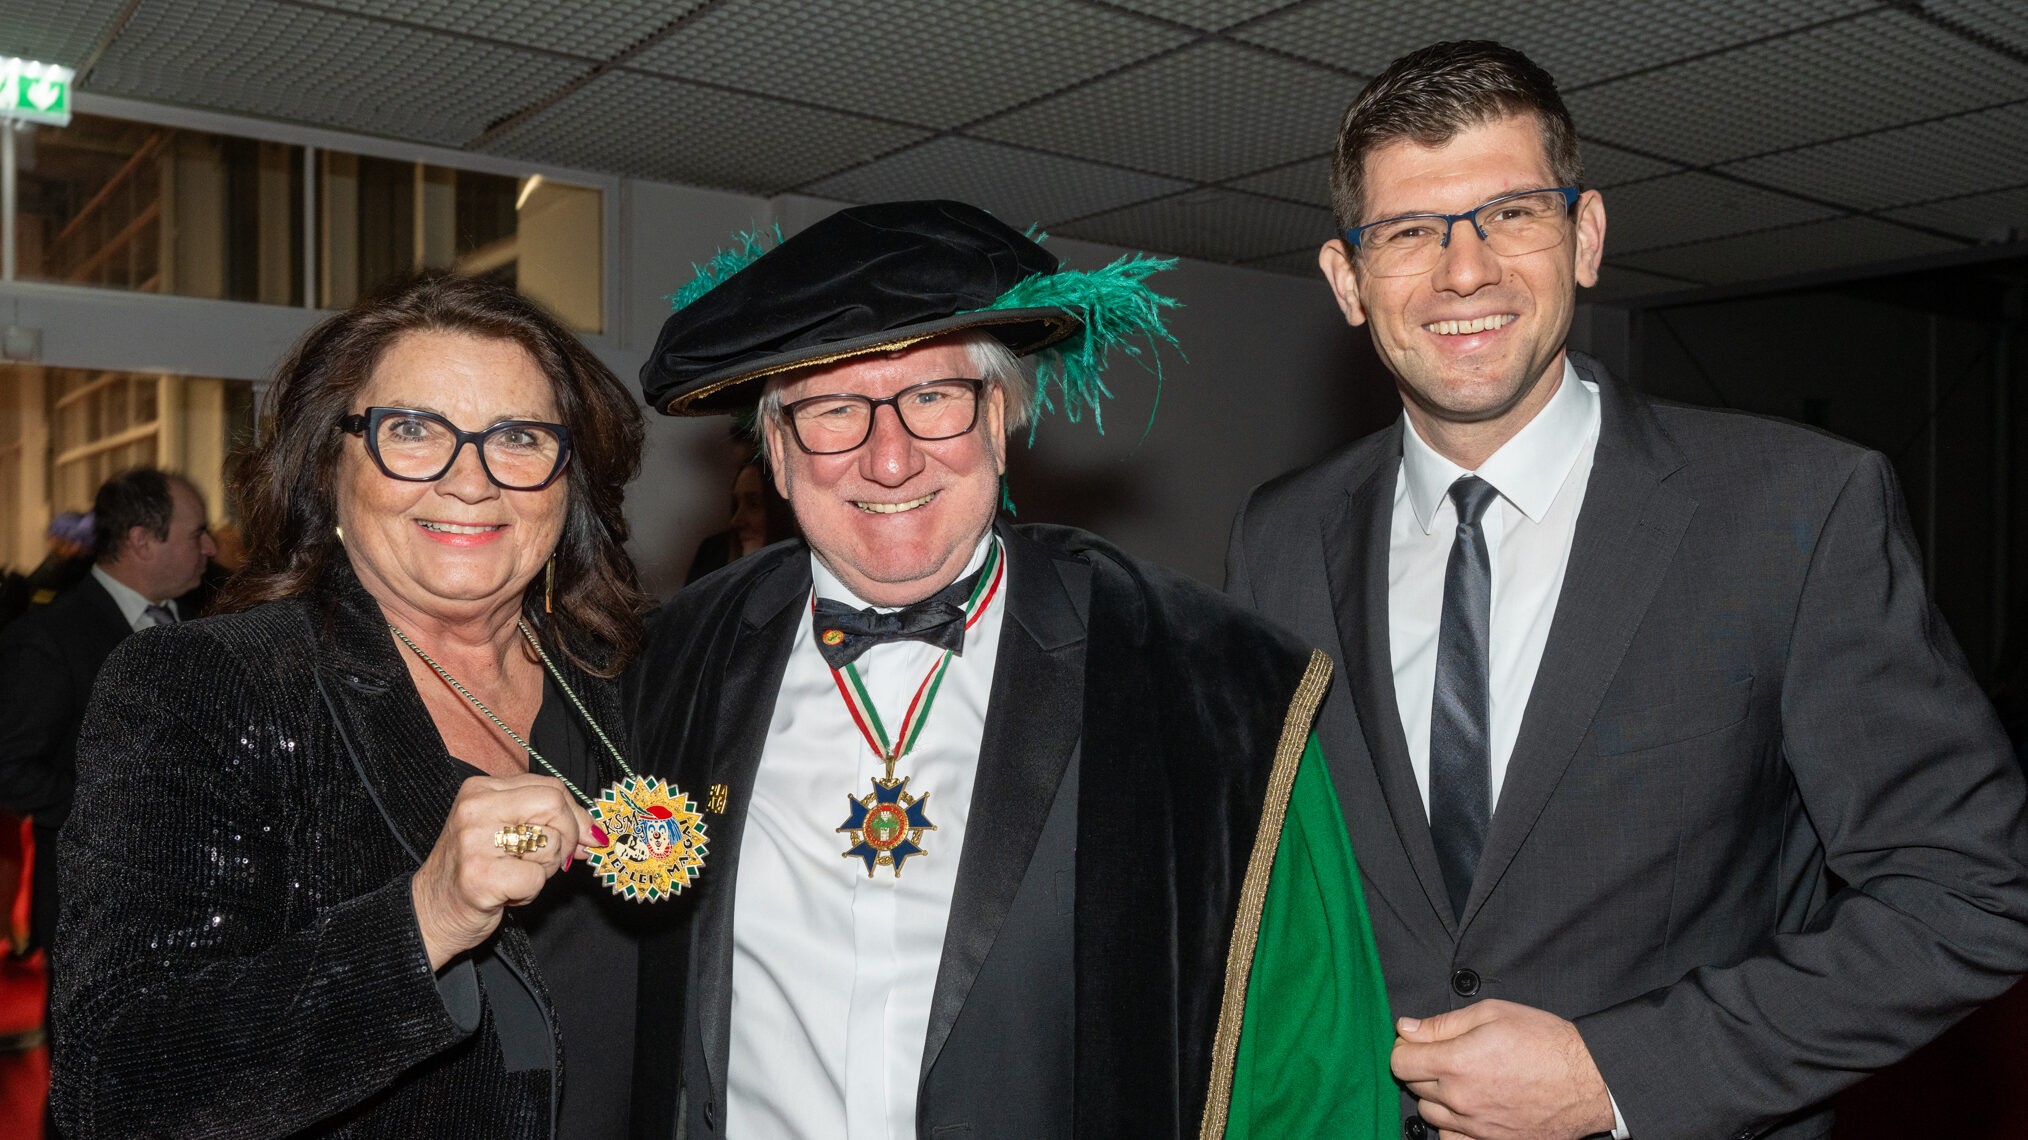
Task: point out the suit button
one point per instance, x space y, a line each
1465 983
711 1114
1414 1129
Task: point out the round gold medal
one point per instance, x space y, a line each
655 839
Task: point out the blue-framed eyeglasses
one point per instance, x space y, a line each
1510 225
419 447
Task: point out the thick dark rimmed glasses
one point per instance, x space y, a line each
933 410
1511 225
419 447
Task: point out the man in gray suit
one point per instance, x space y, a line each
1676 807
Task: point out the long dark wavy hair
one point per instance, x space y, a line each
283 489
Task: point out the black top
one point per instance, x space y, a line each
586 949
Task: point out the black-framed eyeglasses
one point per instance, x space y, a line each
1510 225
419 447
935 409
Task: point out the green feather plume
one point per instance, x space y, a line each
748 246
1119 311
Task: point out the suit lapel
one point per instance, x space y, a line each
751 681
1034 719
1627 532
393 744
1356 552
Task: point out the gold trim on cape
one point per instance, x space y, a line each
1253 890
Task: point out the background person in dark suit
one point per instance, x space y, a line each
152 544
1628 688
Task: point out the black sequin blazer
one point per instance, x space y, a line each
238 954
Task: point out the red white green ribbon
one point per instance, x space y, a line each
860 704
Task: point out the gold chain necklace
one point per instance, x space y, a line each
655 835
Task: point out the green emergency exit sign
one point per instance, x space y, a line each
34 92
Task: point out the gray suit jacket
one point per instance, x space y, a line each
1760 834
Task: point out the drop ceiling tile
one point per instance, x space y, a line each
1943 159
1018 186
726 151
1206 113
1999 216
1617 283
1209 15
598 29
63 32
2006 21
1578 41
1308 180
1694 207
1610 166
1295 263
1880 70
318 67
1212 224
1836 244
916 61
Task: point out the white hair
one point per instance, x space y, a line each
990 360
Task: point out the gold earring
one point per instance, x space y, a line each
549 586
340 532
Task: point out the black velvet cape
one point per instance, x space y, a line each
1185 699
239 951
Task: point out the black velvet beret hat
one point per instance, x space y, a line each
866 280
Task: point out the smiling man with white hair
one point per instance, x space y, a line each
1002 819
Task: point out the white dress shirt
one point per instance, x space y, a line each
1541 475
833 971
133 604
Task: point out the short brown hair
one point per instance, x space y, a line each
138 496
288 513
1429 95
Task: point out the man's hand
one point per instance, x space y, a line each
1495 1070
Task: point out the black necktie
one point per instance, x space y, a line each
843 633
1460 748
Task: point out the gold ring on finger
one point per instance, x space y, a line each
518 839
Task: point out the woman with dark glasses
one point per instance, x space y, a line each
323 875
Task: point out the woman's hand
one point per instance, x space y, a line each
468 880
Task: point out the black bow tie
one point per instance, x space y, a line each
843 633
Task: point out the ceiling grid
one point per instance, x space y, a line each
1735 140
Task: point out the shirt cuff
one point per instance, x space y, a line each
1619 1122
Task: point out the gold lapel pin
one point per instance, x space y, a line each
717 801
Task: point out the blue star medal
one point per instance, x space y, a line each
886 826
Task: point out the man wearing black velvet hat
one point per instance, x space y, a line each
1002 822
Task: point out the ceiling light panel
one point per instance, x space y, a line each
1948 158
917 61
1836 244
315 67
1606 166
1578 41
1207 15
1305 181
63 32
2006 21
1213 224
691 136
2000 216
1694 207
598 29
1018 186
1202 113
1880 70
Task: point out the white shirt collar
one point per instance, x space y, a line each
828 585
131 602
1527 470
